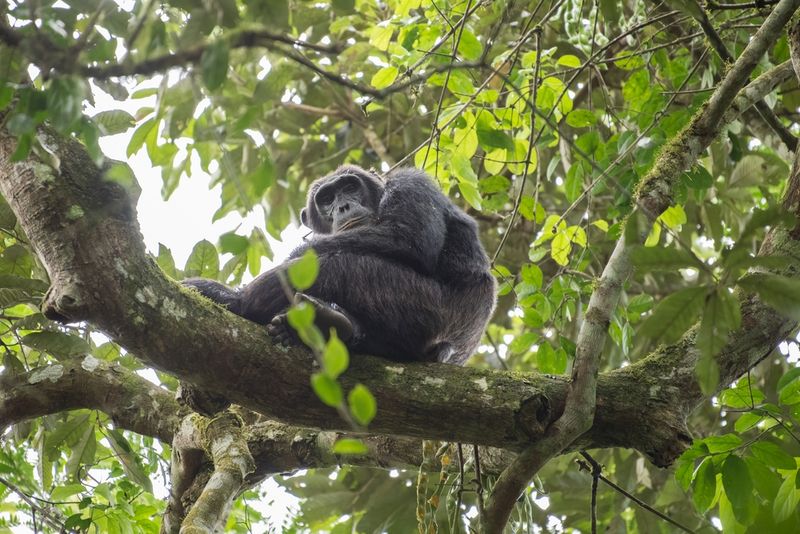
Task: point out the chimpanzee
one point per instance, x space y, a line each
402 274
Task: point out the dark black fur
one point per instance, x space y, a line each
398 258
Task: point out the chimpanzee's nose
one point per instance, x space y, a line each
343 208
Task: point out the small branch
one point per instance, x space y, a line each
757 89
313 110
596 470
739 73
763 111
47 513
758 4
42 53
655 190
225 444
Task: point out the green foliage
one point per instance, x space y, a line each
362 404
548 187
303 272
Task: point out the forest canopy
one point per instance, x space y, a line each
632 169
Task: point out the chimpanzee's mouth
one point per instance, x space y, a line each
352 223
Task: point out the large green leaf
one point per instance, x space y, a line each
58 344
214 65
675 314
131 463
777 291
739 488
663 259
203 261
704 485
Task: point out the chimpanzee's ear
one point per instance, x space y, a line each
304 217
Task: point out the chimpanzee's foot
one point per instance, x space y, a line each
327 315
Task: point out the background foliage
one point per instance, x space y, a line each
265 96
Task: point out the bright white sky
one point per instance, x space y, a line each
185 218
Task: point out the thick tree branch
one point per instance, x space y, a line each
173 329
223 441
132 402
137 405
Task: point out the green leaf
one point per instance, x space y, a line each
471 194
362 404
569 60
335 356
462 168
301 316
788 377
787 499
747 421
11 297
772 455
573 185
114 121
673 217
303 271
675 314
549 360
121 173
491 138
779 292
468 45
704 485
380 36
724 443
214 65
532 274
349 446
560 248
581 118
698 178
166 262
58 344
739 488
706 371
384 77
139 136
662 259
233 243
131 462
82 452
63 493
328 390
203 261
743 395
721 316
790 394
529 209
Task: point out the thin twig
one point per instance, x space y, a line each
594 467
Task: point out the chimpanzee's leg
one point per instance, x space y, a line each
395 311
